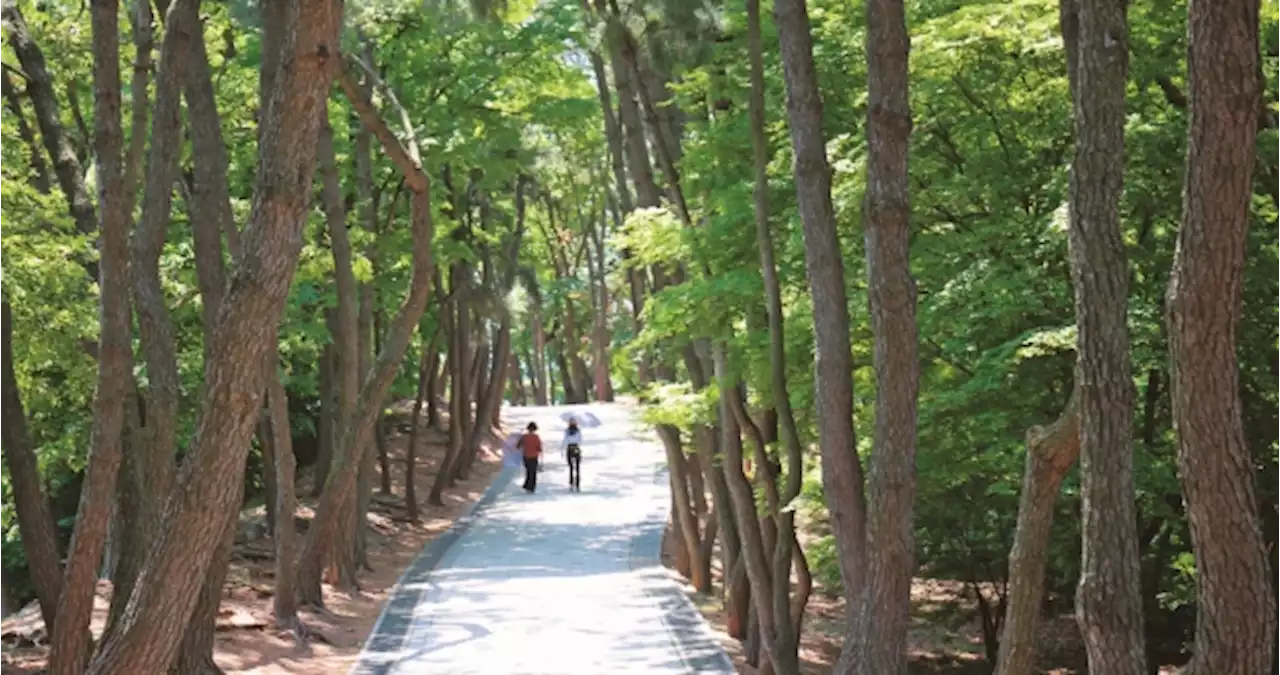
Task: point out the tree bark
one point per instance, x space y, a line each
786 644
152 469
833 364
209 206
1050 453
70 638
167 589
1236 606
347 341
892 297
1108 599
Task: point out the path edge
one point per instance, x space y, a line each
691 645
425 563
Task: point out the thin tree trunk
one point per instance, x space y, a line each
35 519
1050 453
833 364
438 484
209 206
458 400
1236 605
411 451
350 344
785 650
285 603
69 638
327 413
153 467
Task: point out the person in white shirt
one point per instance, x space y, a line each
572 446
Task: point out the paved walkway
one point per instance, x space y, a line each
553 582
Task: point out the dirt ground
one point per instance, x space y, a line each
945 636
246 642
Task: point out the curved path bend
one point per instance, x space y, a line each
556 582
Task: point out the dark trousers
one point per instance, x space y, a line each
575 466
530 473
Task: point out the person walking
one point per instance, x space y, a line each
531 447
572 446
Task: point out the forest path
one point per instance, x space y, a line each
555 581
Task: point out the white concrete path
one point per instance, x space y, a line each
553 582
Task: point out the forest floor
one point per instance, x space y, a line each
247 644
945 637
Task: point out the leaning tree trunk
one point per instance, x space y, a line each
167 589
1050 453
1236 605
35 520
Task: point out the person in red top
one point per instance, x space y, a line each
531 446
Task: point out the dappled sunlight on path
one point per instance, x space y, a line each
555 581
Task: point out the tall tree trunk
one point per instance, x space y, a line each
1050 453
285 603
1108 599
491 395
367 327
152 469
209 206
69 638
166 593
349 342
1236 606
685 516
833 364
786 647
460 398
891 294
434 376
